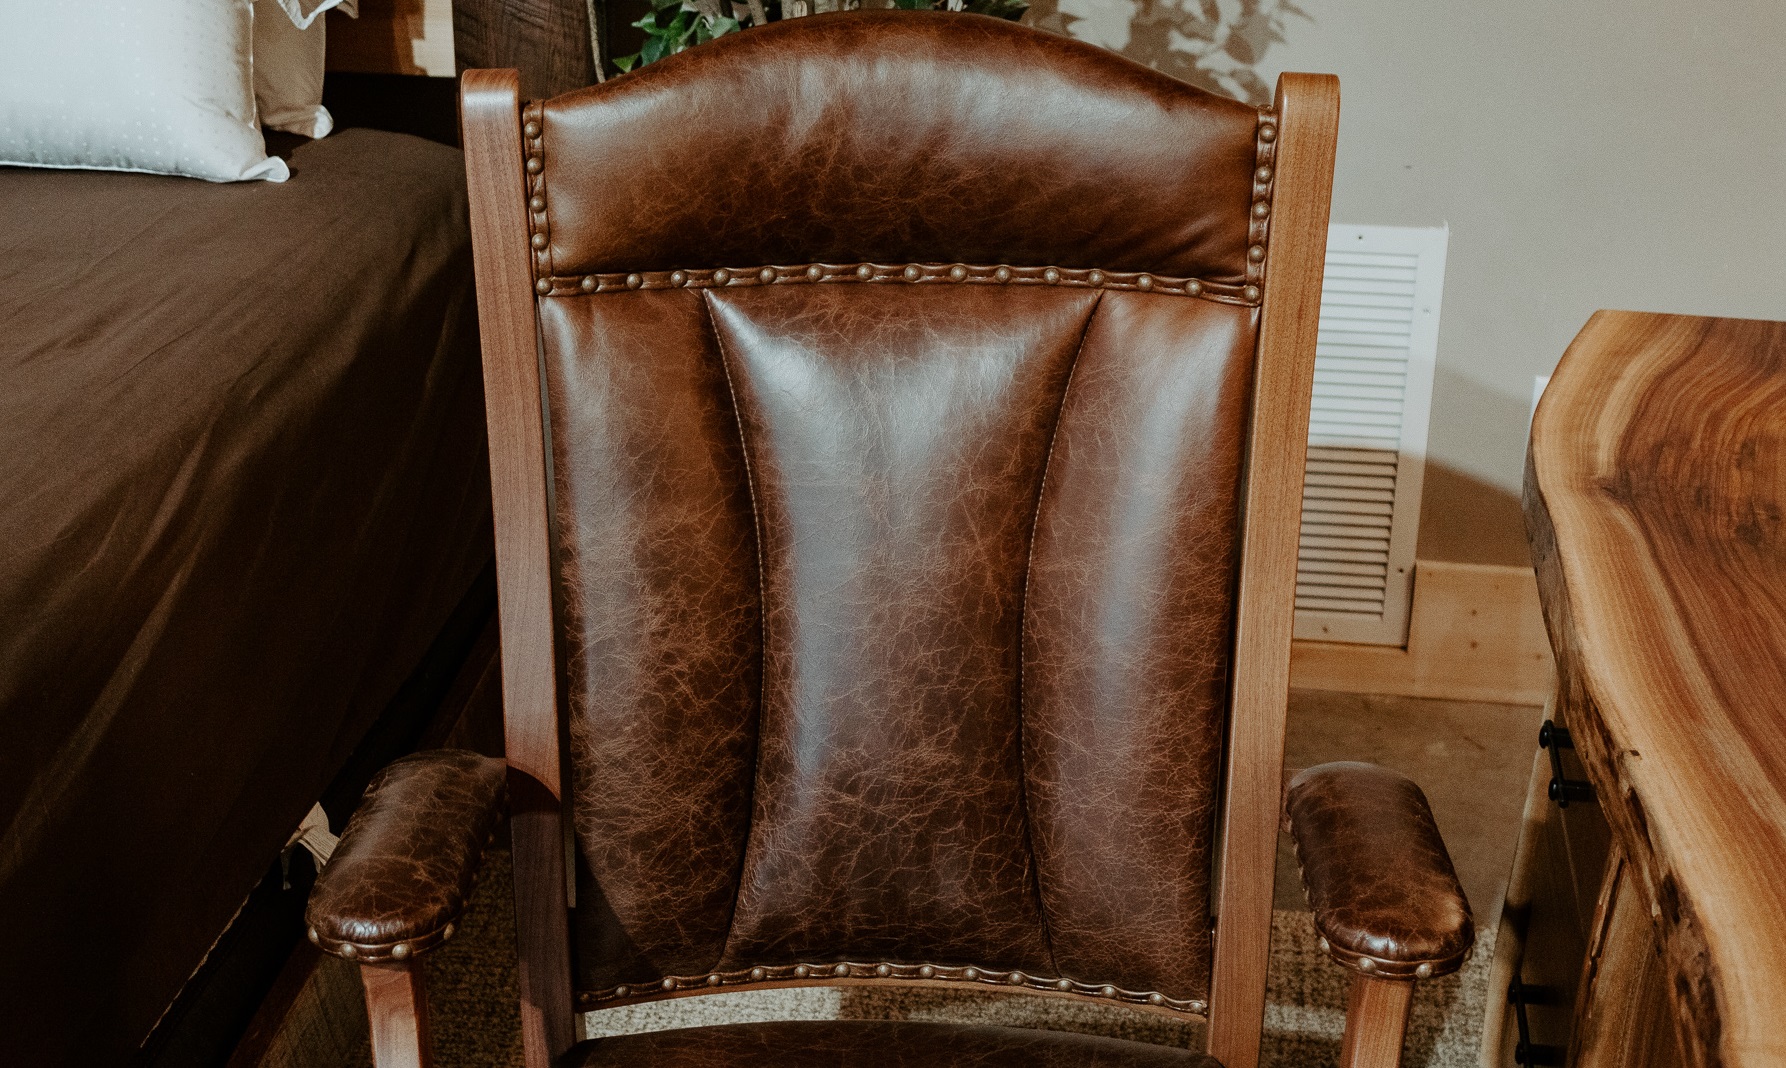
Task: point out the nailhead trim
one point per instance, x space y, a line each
1258 231
1259 218
819 973
909 273
1376 967
534 151
375 952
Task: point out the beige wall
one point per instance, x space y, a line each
1617 153
1620 153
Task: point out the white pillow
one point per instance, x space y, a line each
289 40
165 86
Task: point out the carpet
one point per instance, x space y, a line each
475 1023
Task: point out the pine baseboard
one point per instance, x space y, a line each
1476 633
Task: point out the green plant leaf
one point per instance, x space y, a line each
675 26
707 27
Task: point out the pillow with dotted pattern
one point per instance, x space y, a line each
165 86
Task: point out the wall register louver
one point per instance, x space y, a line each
1367 432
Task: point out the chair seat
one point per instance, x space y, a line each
873 1044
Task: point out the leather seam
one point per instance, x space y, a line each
756 522
1029 558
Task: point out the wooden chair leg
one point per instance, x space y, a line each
1376 1022
397 1008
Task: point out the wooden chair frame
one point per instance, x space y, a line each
1307 110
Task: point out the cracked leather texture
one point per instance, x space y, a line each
1126 639
897 621
804 142
661 617
874 1044
895 534
896 614
1377 875
407 859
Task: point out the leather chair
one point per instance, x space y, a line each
897 425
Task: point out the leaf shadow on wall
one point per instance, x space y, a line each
1212 44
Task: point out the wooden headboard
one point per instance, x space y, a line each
549 41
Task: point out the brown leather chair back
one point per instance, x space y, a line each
898 372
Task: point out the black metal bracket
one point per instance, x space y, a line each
1528 1054
1562 789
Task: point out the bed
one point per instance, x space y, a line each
243 491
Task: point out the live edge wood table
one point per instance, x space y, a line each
1656 503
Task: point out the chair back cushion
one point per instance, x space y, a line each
897 372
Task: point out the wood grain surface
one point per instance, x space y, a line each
490 104
1307 109
1656 503
1475 633
551 42
1376 1022
1622 1018
397 1012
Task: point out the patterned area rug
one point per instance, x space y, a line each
472 994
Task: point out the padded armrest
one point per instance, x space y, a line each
405 866
1384 894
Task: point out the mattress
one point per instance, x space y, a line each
242 486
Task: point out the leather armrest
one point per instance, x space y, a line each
398 881
1385 897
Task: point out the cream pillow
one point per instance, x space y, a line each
289 39
165 86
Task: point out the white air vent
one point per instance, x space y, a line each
1367 432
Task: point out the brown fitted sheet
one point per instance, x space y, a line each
242 486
